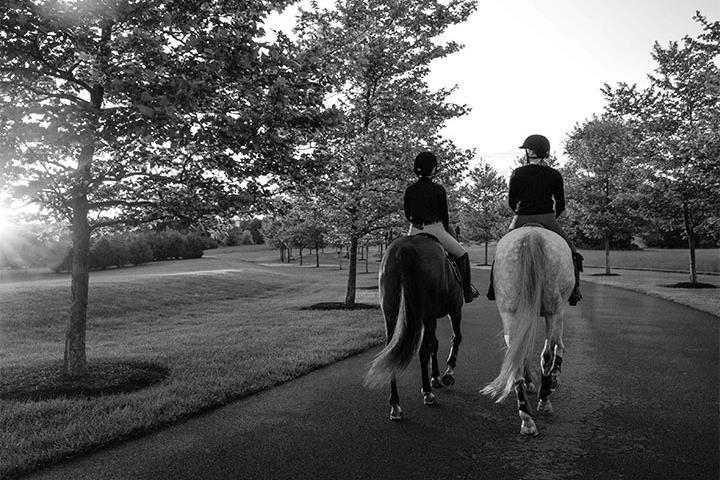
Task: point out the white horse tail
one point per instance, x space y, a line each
403 344
524 325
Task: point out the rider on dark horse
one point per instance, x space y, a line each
533 187
426 209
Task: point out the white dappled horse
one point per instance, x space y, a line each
533 277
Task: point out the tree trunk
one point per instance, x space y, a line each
340 258
486 252
607 254
301 258
317 255
352 274
367 258
690 232
282 254
75 362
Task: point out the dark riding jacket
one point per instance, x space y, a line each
425 202
533 188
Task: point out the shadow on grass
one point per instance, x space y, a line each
339 306
605 275
43 382
689 285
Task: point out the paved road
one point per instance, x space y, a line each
639 399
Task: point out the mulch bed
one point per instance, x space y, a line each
108 377
339 306
689 285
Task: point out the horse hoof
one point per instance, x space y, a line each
528 427
429 399
448 379
545 406
554 380
435 382
530 388
396 413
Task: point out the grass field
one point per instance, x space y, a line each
226 326
223 335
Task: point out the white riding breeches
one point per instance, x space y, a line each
446 240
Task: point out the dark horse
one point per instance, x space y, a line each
418 285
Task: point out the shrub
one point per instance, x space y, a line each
246 238
165 245
138 250
207 241
192 246
103 254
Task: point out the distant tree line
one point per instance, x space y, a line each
136 248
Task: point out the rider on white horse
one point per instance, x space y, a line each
426 209
537 195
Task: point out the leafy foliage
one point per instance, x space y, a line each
484 209
601 180
677 123
376 56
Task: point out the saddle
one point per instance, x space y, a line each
453 264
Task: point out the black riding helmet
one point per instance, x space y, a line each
425 162
538 144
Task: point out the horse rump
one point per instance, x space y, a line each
521 317
405 332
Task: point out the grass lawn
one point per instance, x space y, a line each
222 334
708 259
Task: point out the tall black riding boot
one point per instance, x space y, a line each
576 296
491 289
469 292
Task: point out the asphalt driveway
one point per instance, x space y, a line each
639 399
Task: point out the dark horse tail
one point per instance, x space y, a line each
404 340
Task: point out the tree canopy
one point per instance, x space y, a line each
677 123
128 111
377 55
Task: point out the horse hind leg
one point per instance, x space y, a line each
396 412
449 376
529 382
390 304
551 362
435 380
427 346
527 427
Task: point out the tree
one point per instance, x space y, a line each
377 55
484 209
113 113
677 122
599 178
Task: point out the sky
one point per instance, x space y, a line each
537 66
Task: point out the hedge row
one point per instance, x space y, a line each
137 248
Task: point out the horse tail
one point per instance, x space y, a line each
522 330
404 341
